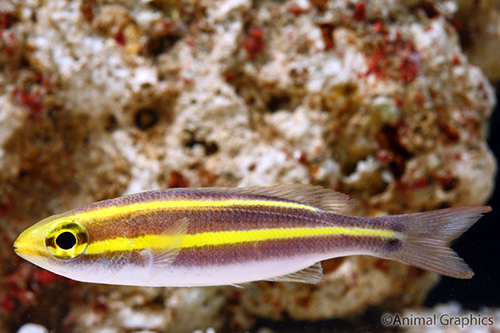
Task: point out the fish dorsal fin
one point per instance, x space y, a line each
317 196
312 274
326 199
162 249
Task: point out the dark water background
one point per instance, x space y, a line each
480 248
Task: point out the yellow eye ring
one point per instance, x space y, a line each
67 239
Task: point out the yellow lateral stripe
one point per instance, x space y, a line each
108 212
227 238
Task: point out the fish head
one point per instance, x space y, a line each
55 243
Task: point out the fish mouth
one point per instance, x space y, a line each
26 253
23 245
20 251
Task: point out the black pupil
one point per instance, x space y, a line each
66 240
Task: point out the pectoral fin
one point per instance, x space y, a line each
161 250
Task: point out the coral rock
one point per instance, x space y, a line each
104 98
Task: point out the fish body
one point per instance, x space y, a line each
225 236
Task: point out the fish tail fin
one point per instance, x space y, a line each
428 236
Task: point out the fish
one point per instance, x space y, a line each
191 237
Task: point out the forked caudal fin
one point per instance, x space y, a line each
429 234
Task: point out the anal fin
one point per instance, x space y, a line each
312 274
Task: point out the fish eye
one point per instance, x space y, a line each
67 239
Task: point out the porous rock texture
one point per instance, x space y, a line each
103 98
478 24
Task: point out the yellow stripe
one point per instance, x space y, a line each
227 238
109 212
